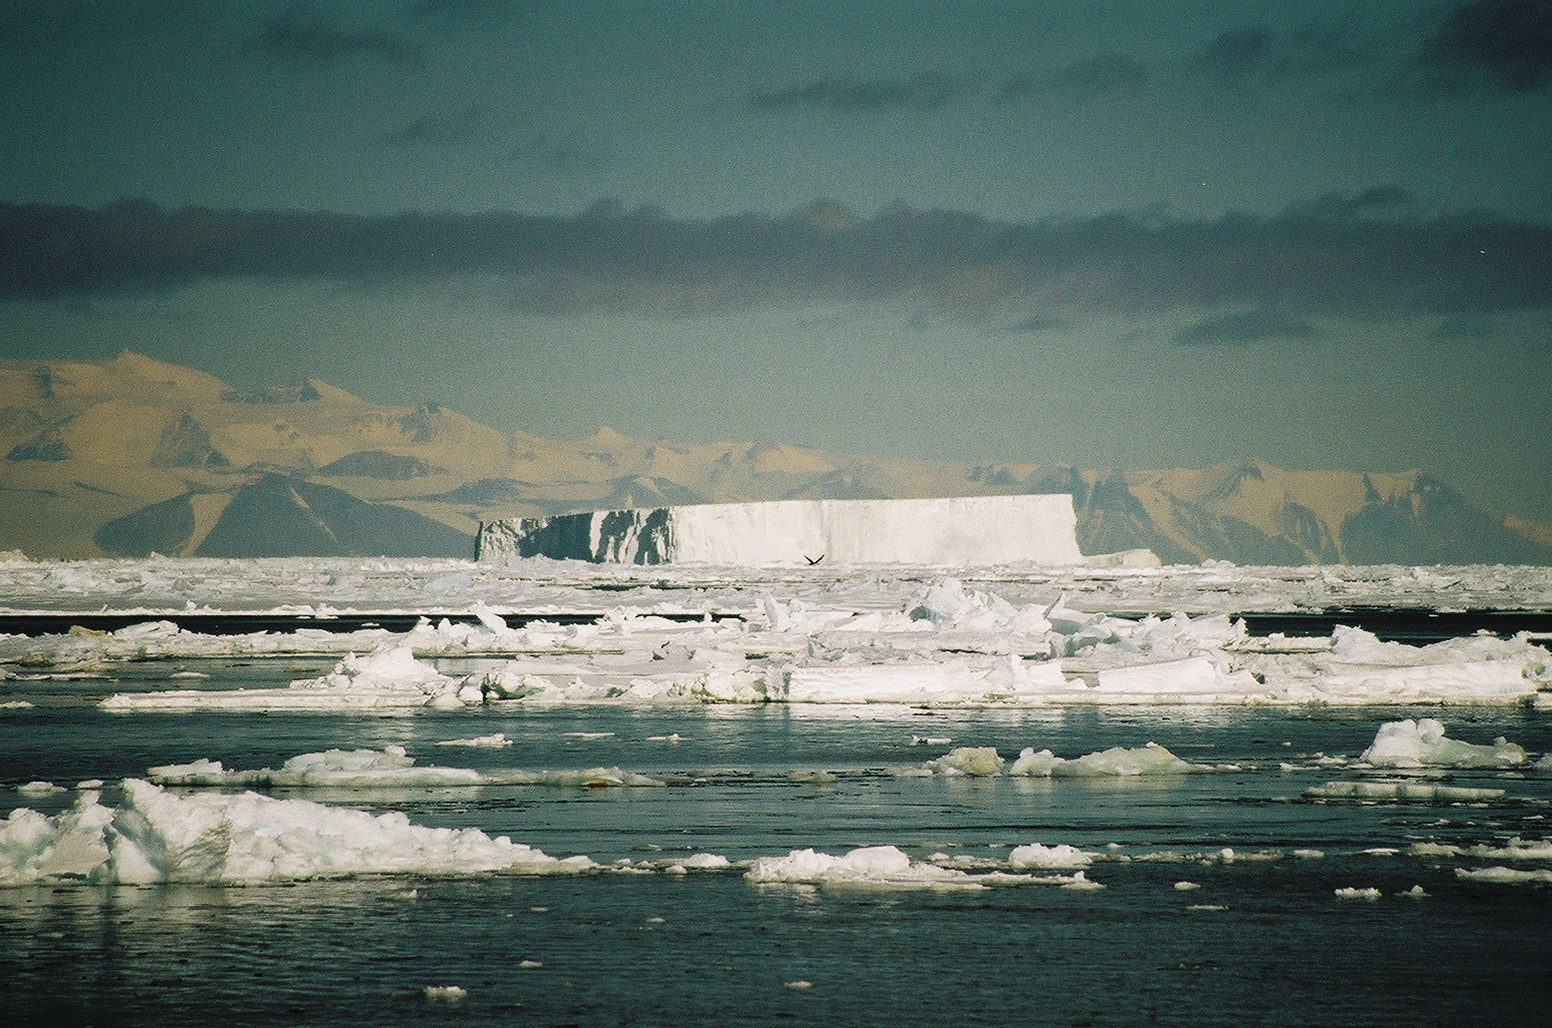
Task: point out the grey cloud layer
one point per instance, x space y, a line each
1491 45
1305 263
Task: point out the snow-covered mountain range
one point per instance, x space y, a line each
132 456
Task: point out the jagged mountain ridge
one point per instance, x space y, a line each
130 456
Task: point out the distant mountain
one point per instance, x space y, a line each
131 456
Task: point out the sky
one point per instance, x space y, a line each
1113 234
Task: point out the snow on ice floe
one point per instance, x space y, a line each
245 839
389 768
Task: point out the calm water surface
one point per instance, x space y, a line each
1263 940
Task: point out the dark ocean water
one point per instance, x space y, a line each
1271 942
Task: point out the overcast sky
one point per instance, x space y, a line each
1125 234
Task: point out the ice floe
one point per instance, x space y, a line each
1505 875
1015 637
155 835
1422 743
888 867
389 768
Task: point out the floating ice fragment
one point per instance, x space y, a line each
1505 876
800 985
1354 893
1060 857
38 790
979 761
1414 792
1422 743
1120 761
444 994
1186 886
494 742
1415 892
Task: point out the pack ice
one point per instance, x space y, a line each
906 636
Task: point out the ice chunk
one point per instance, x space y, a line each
1167 678
38 790
980 761
387 678
249 838
954 681
1505 876
870 866
69 846
386 768
1422 743
1368 894
1416 792
1120 761
1061 857
480 742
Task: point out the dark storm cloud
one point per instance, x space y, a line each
1300 264
927 90
1504 44
303 33
1246 327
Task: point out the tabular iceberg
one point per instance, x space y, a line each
961 530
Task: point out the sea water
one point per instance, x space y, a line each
1229 896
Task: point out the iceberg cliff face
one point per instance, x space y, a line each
960 531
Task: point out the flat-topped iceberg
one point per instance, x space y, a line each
959 531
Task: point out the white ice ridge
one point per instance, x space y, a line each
888 867
1118 761
389 768
1422 743
244 839
959 531
941 644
